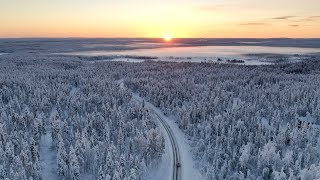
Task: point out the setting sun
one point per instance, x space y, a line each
167 37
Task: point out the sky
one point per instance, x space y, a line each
158 18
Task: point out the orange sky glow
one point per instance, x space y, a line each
143 18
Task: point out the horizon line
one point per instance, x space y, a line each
159 37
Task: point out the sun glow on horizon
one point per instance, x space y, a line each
167 37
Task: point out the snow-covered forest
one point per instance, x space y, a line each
258 122
242 122
96 130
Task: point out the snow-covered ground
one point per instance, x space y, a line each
132 60
212 60
199 51
250 55
128 60
187 59
163 170
48 159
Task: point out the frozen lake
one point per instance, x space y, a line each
203 51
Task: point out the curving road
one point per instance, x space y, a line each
176 175
176 171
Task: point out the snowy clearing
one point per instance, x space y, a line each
48 158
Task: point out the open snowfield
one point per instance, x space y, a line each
247 55
203 51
